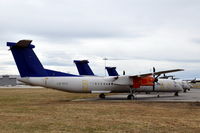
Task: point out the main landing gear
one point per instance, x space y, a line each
176 93
102 96
131 95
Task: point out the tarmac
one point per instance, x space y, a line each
190 96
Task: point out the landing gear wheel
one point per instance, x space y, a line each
130 97
158 96
102 96
176 94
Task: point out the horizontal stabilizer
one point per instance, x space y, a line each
21 44
24 43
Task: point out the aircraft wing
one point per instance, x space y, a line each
157 73
128 80
192 81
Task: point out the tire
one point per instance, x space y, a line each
130 97
176 94
102 96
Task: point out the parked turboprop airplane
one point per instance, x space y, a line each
32 72
84 69
186 84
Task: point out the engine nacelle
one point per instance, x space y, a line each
143 81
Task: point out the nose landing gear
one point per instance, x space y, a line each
102 96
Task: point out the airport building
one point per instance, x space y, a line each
8 80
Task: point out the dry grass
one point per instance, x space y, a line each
45 110
197 85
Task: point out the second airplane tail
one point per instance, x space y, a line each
112 71
83 67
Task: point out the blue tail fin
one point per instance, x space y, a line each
27 62
83 67
112 71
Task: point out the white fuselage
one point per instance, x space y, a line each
184 84
99 84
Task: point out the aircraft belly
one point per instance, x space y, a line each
158 89
144 89
115 89
87 85
120 89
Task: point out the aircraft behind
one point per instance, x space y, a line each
186 84
112 71
83 67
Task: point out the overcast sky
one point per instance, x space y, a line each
135 35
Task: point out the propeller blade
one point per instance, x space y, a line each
124 72
155 79
154 70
